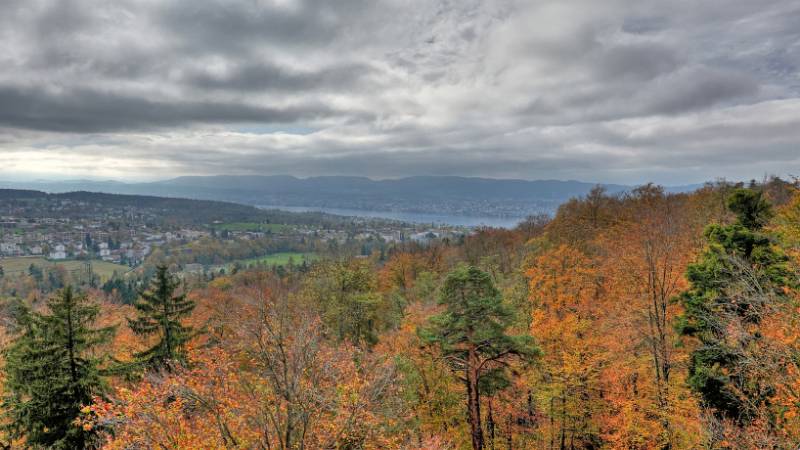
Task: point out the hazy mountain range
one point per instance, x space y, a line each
421 194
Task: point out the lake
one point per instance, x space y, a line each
448 219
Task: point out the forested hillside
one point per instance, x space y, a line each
641 320
176 211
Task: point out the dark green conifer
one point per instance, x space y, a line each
741 276
472 334
160 311
52 371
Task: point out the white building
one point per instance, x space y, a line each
59 252
424 237
9 248
193 268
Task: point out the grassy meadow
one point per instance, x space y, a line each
17 264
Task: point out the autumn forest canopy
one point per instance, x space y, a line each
639 319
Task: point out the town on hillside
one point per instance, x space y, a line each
121 233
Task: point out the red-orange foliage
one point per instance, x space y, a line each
265 377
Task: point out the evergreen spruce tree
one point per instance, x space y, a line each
51 373
741 276
160 312
472 336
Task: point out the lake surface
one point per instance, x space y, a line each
439 219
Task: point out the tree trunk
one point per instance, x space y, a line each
552 423
473 401
510 438
490 425
563 445
73 368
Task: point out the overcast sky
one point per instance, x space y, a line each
671 91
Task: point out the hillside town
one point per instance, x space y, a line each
61 229
68 229
67 239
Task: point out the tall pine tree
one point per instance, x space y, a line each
160 311
52 372
472 336
741 276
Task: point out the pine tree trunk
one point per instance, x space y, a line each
473 399
167 334
73 370
510 438
563 445
490 425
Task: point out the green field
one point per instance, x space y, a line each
280 259
253 226
21 263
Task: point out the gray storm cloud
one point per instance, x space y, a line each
623 91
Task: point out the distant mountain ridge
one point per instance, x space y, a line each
423 194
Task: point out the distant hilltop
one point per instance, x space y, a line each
424 194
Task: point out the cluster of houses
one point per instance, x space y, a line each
387 234
57 240
129 252
424 237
